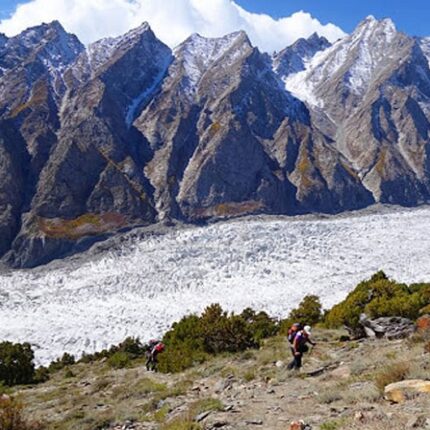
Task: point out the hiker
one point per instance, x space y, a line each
299 347
153 348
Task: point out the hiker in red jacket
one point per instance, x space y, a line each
299 347
154 348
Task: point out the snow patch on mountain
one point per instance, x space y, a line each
425 46
356 56
137 102
102 51
143 285
197 54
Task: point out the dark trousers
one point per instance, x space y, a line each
151 361
296 363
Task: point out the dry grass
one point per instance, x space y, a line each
392 373
229 209
85 225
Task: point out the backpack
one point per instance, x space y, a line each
159 347
292 332
151 344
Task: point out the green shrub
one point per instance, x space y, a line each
16 363
130 346
261 325
194 338
61 363
41 375
308 311
119 360
223 333
379 297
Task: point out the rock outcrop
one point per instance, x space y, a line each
387 327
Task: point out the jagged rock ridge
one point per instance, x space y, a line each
127 132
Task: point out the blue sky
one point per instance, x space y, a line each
6 7
410 16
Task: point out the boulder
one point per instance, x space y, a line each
342 372
398 392
387 327
423 324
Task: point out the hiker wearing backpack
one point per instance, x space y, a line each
299 347
153 348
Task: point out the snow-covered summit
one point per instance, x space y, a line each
197 54
293 58
104 50
355 57
50 42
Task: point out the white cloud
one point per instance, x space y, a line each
172 20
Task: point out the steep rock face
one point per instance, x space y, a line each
369 93
222 128
200 115
96 168
31 88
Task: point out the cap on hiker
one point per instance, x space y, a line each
307 329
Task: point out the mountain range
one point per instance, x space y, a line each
127 132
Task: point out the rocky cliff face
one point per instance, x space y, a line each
126 132
369 93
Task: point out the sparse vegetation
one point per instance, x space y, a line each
392 373
379 297
193 339
11 416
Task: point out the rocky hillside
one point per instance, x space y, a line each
127 132
340 387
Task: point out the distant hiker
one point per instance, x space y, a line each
153 348
299 347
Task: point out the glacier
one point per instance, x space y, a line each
144 282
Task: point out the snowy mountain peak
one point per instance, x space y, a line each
48 43
101 52
293 58
198 53
40 34
197 44
371 28
356 56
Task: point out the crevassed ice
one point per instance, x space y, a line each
267 263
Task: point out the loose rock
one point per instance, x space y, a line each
398 392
